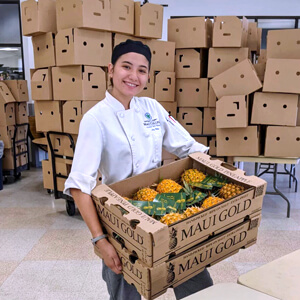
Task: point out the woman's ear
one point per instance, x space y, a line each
110 69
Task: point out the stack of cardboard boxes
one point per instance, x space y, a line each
276 108
13 111
192 37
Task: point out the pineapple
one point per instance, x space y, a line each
168 186
126 198
230 190
192 175
145 194
171 218
211 201
192 210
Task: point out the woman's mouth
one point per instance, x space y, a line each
130 84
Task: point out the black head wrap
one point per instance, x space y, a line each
131 46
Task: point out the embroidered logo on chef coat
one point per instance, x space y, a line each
171 120
151 123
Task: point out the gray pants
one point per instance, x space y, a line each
119 289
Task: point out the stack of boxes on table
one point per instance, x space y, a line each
13 111
73 42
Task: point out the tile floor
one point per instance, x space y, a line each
45 254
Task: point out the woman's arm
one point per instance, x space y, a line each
88 212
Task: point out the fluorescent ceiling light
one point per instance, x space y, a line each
9 49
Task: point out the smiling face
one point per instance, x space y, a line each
129 75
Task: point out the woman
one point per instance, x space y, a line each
123 136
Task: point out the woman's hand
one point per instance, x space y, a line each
109 255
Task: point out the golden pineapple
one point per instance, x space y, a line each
211 201
230 190
145 194
168 186
126 198
192 175
192 210
171 218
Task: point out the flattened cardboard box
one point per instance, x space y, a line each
78 83
191 119
282 141
192 92
6 135
275 109
283 43
38 17
253 36
221 59
164 86
18 89
232 112
170 107
41 84
230 31
238 141
48 116
148 20
260 69
262 58
212 98
163 55
44 50
282 76
190 32
209 120
152 282
153 241
240 79
92 14
76 46
191 63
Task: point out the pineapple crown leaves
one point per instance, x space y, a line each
187 188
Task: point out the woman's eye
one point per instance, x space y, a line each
143 71
126 67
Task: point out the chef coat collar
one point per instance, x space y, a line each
115 104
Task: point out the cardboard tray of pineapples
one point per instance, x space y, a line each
155 224
151 282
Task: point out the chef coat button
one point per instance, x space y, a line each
137 110
137 165
121 115
133 138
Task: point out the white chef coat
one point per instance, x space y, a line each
123 143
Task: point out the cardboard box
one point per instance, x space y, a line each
92 14
170 107
260 69
230 31
262 58
212 98
48 116
167 155
191 63
202 140
238 141
240 79
191 119
6 135
152 282
61 169
232 112
73 112
209 120
212 143
164 86
192 92
21 112
38 17
76 46
275 109
18 89
154 241
221 59
282 141
259 33
148 20
41 84
8 160
21 133
148 90
78 83
190 32
253 36
44 50
282 76
163 55
118 38
7 106
21 150
283 43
